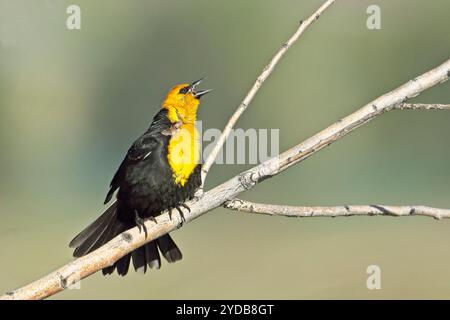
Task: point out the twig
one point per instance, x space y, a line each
338 211
422 106
132 239
258 83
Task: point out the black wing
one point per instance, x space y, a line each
140 149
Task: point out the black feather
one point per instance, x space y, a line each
123 264
88 231
169 249
152 255
139 261
145 185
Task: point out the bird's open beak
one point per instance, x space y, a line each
196 83
198 94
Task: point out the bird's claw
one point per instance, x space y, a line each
184 205
183 219
140 223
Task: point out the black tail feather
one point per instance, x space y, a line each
123 265
96 239
169 249
105 232
139 261
92 228
152 255
106 227
113 229
109 270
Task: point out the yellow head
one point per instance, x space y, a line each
182 102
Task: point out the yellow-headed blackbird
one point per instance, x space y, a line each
160 171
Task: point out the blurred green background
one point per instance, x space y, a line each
71 103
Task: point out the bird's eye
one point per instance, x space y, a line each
184 90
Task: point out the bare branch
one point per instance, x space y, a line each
422 106
132 239
337 211
258 83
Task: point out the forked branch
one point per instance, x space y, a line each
258 83
133 239
337 211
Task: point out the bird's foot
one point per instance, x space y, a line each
140 223
183 219
196 198
184 205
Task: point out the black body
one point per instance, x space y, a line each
145 188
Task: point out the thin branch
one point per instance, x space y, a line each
258 83
337 211
422 106
133 239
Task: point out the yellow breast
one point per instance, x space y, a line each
183 153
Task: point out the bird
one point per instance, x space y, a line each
160 171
